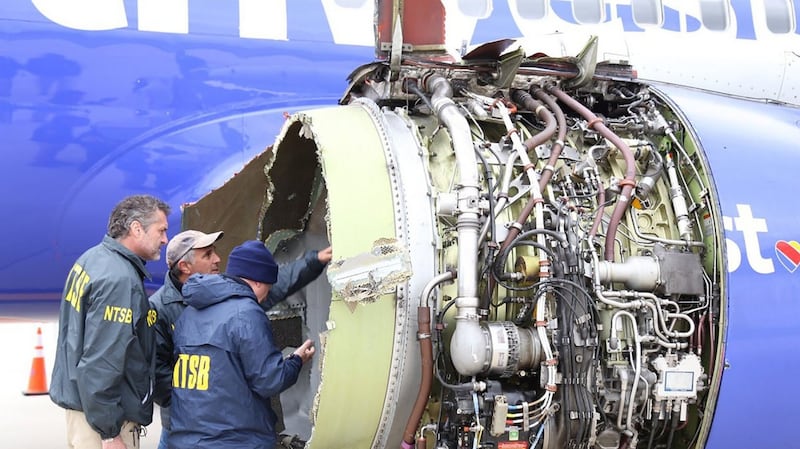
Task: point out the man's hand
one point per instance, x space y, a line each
114 443
325 255
305 351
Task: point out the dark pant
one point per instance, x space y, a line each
162 443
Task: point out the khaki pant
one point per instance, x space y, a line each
80 434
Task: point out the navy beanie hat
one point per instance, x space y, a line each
252 260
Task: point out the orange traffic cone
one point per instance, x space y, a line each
37 382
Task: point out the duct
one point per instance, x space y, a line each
468 349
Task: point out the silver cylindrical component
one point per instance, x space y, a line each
645 185
512 348
608 439
446 204
637 273
495 348
678 201
469 346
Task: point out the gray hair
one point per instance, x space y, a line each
141 208
188 258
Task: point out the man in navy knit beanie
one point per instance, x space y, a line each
228 365
194 252
252 260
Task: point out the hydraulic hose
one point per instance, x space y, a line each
426 352
627 183
555 152
523 98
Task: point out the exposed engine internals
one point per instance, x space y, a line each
577 294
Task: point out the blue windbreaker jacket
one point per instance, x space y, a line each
168 302
227 368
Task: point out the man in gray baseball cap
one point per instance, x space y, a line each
188 252
181 246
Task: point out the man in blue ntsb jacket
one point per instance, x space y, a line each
192 252
228 365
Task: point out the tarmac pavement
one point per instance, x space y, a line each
35 422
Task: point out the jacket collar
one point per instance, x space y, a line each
172 290
135 260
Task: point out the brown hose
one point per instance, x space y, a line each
555 152
525 99
627 184
426 353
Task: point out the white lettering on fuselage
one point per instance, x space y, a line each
351 21
260 19
89 15
750 227
165 16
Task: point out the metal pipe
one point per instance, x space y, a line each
467 348
535 204
638 368
468 222
678 201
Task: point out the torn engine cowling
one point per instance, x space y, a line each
519 262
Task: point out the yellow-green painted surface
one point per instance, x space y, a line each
357 349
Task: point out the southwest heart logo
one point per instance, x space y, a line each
788 254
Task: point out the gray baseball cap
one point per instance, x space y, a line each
186 241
